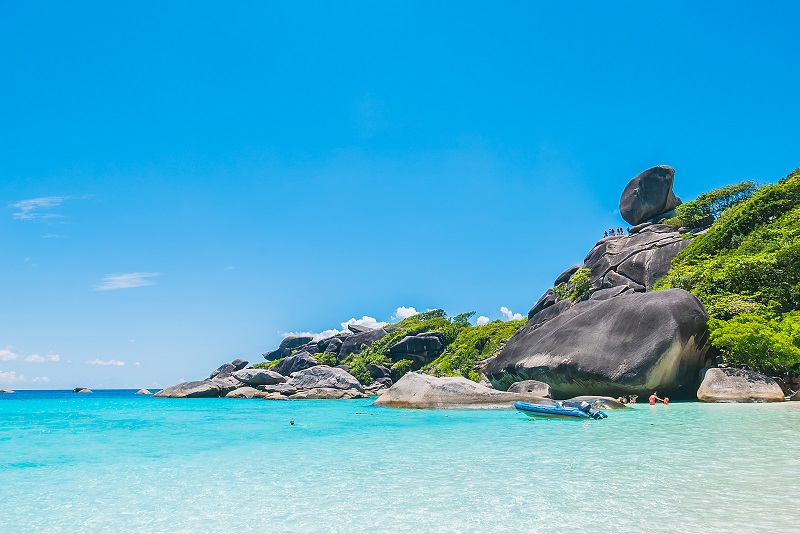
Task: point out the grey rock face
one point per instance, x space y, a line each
377 371
423 347
648 195
246 392
566 275
280 389
258 377
637 260
545 301
228 368
204 388
532 387
636 343
225 383
333 346
329 394
738 385
7 391
416 390
144 392
358 329
295 362
354 343
276 354
292 342
322 376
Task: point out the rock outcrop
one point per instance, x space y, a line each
649 195
323 376
258 377
416 390
81 390
144 392
424 347
356 342
295 362
229 368
738 385
188 390
6 391
531 387
633 343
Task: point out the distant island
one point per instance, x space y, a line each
697 300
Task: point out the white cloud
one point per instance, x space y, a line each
53 236
482 320
126 280
509 315
137 364
98 361
403 313
7 355
31 208
7 377
40 379
35 358
369 322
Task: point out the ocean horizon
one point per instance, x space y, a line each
113 461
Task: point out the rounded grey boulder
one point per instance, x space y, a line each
295 362
738 385
144 392
648 195
634 343
323 376
189 390
533 387
258 377
417 390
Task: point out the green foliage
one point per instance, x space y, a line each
759 340
400 368
709 206
326 358
577 288
267 365
359 370
746 271
473 344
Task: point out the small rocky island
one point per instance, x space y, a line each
603 331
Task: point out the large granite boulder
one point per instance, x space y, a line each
633 343
531 387
333 346
417 390
329 394
286 347
258 377
566 275
423 347
637 260
323 376
357 342
280 389
7 391
203 388
738 385
378 371
545 301
649 195
246 392
359 329
226 384
144 392
229 368
295 362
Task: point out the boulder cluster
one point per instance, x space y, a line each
236 380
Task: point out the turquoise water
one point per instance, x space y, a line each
114 461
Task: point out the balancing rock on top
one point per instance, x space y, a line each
649 195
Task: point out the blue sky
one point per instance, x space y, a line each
182 184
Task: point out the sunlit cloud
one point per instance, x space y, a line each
482 320
404 313
7 377
35 358
36 208
40 379
126 280
7 354
510 315
98 361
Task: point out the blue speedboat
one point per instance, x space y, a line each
559 410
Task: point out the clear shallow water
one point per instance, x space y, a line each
115 461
